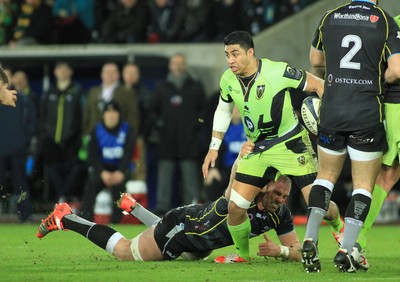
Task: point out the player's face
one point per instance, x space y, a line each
275 196
238 59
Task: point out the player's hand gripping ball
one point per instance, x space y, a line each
310 113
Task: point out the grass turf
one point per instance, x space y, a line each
62 256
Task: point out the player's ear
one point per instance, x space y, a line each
266 188
250 52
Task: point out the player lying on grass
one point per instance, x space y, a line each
192 231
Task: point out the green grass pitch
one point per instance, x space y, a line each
67 256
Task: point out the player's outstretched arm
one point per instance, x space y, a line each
290 248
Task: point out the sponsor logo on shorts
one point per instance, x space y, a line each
301 160
362 140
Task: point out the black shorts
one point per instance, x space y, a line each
366 140
169 234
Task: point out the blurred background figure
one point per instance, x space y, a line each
110 151
197 24
179 102
73 21
226 17
110 89
259 14
167 20
34 24
131 80
127 23
145 157
60 135
17 129
20 82
8 14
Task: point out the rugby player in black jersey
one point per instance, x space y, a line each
191 231
352 43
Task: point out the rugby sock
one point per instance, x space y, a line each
240 236
356 213
144 215
315 217
318 203
378 198
102 235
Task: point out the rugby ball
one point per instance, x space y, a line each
310 113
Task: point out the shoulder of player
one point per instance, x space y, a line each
270 67
274 70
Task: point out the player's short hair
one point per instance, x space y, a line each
285 180
240 37
3 76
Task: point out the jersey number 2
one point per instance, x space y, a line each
345 62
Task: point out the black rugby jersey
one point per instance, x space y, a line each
355 38
206 228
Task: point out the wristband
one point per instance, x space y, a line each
215 143
284 252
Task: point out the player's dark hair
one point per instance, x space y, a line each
240 37
3 76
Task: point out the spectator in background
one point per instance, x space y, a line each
226 18
178 105
131 79
17 128
127 23
20 82
218 176
74 21
8 15
259 14
196 26
167 20
60 134
110 89
147 136
102 10
34 24
289 7
110 152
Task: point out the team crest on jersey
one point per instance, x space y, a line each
301 160
260 91
373 18
292 73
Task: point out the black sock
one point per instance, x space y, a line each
97 233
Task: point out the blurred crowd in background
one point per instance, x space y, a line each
74 140
24 22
